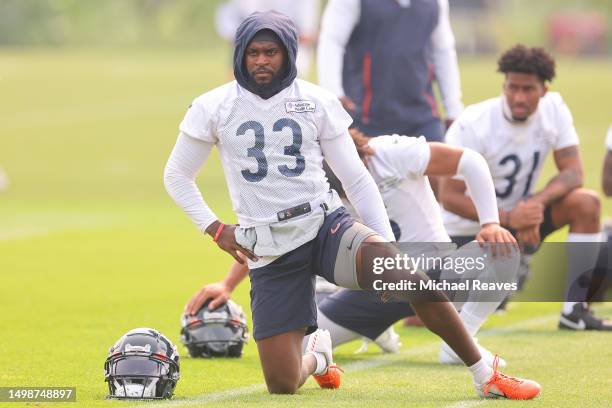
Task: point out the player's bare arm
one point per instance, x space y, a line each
606 178
570 176
524 215
219 292
452 197
443 160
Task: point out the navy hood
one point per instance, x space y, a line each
283 27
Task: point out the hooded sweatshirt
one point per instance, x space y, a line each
286 31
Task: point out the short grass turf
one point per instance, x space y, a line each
91 246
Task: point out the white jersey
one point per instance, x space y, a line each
398 168
609 139
514 151
270 148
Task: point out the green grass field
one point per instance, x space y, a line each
91 246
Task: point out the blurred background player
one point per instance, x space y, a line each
381 57
400 166
304 13
602 279
515 132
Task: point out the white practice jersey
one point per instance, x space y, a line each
514 151
398 168
270 148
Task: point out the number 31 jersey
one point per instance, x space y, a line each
269 148
514 151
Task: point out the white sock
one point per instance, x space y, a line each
321 362
568 307
581 260
474 314
481 372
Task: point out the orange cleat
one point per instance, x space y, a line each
503 386
331 379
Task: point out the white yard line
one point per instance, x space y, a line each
466 404
52 225
379 361
367 364
212 397
22 232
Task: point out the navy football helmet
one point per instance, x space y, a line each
143 364
220 332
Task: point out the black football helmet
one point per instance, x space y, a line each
143 364
220 332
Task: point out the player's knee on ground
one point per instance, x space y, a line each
584 205
281 361
280 383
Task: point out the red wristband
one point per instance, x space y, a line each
218 233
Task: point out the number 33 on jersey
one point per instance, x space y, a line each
269 148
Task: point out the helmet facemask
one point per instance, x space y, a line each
143 364
140 377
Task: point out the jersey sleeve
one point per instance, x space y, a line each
406 157
331 118
609 138
567 135
198 122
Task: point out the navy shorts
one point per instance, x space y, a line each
283 292
363 312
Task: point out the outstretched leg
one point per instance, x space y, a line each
439 315
433 307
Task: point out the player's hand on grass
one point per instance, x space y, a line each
526 214
529 236
499 239
226 240
218 293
